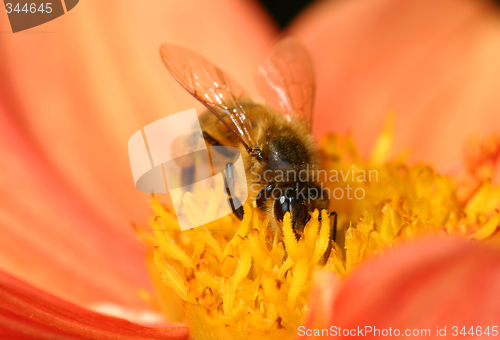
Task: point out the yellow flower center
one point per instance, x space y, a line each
239 279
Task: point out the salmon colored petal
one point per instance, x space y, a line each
435 63
53 239
72 92
28 313
421 285
78 87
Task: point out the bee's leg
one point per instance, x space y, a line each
228 179
188 173
233 201
333 235
210 140
187 177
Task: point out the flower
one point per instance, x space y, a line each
243 277
75 89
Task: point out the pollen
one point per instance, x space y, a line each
242 279
233 275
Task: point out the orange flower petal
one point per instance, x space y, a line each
421 285
72 92
28 313
435 63
78 87
53 239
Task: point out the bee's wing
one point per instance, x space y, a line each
286 80
212 87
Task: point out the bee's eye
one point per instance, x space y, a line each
281 206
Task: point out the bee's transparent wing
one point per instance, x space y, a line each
286 80
212 87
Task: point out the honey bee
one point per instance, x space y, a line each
275 140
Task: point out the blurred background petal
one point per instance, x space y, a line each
29 313
421 285
72 93
435 63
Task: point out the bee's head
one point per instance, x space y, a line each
299 201
290 201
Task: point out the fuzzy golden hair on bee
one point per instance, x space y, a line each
274 138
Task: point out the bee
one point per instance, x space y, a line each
275 140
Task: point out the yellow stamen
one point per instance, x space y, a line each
242 279
170 275
488 229
289 239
